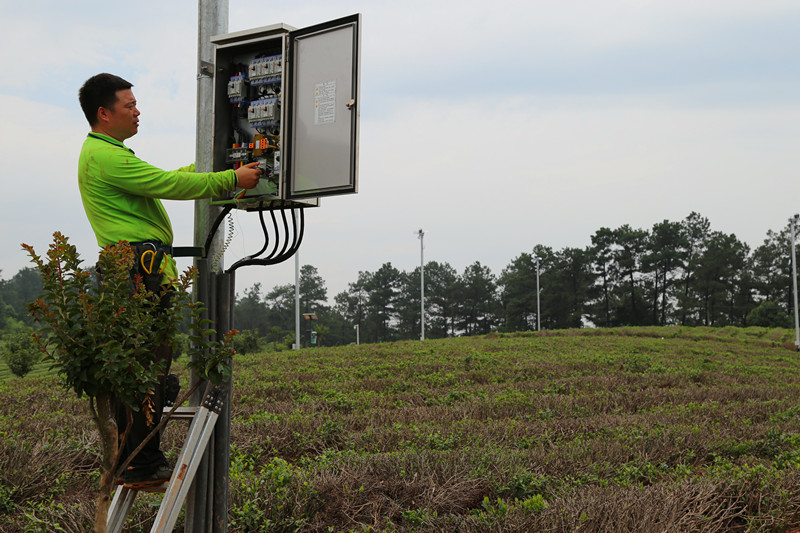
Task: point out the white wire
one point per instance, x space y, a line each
228 238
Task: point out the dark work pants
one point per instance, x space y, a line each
150 457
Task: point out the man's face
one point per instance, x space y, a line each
122 121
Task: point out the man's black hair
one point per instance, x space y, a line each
100 91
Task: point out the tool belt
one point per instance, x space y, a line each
149 263
153 245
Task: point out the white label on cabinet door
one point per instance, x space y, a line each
325 103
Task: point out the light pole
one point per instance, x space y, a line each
297 300
538 308
793 227
421 235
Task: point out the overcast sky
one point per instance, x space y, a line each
494 126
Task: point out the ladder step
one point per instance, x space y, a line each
144 486
182 413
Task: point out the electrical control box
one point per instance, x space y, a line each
288 99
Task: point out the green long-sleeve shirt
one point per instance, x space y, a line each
121 193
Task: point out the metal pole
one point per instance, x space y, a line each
422 283
226 284
538 308
297 300
358 336
212 19
197 502
793 226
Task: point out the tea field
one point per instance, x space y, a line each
630 429
39 370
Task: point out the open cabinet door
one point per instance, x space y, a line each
320 151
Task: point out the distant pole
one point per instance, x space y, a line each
422 283
358 338
297 300
538 308
793 226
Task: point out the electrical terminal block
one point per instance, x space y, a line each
240 153
276 166
237 89
276 65
259 145
265 70
264 112
257 68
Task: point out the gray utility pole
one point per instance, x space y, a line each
212 20
422 282
793 227
207 502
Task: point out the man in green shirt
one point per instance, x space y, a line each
121 196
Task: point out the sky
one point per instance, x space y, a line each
493 126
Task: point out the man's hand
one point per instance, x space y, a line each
247 176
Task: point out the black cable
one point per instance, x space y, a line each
277 236
264 228
294 233
272 259
266 240
266 235
214 227
296 240
285 232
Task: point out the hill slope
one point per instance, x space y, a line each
646 429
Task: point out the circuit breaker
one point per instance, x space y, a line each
289 99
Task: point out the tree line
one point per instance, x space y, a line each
15 293
675 273
680 273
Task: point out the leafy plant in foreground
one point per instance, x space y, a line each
100 339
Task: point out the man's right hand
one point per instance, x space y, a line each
247 175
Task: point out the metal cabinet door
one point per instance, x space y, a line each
320 152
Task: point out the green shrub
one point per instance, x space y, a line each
288 341
267 498
20 351
247 341
769 315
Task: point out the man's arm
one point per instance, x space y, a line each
247 176
127 172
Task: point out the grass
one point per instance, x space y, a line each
629 429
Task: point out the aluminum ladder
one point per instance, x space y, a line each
203 419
